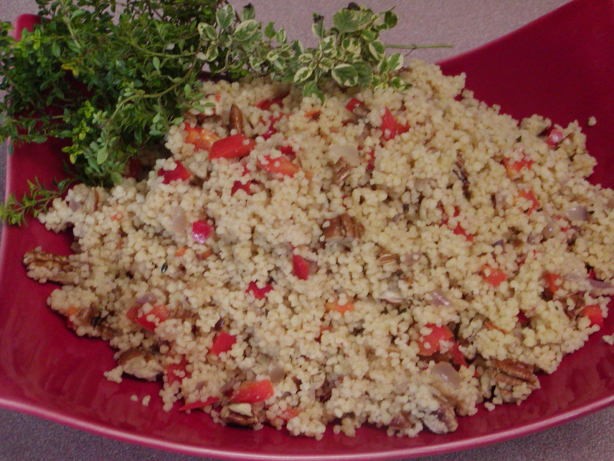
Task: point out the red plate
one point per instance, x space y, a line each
560 65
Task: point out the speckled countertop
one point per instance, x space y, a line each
464 23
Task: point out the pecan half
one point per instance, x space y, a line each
443 420
235 119
65 270
509 375
342 229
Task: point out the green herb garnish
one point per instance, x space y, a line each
111 78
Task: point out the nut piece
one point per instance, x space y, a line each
513 380
388 261
341 170
342 229
65 270
443 420
235 119
241 414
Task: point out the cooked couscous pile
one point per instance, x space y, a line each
383 257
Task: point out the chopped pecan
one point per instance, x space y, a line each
392 294
388 260
442 420
341 170
139 363
401 421
342 229
242 414
325 391
65 270
508 375
235 119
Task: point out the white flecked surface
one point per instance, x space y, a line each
464 23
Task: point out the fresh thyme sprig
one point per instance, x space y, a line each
111 77
37 199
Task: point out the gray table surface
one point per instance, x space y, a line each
464 23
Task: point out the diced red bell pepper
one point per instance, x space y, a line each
148 320
253 392
200 137
176 372
272 129
238 185
354 104
201 231
289 413
179 173
594 314
460 230
530 196
523 320
493 275
199 404
371 160
300 267
223 342
259 293
279 165
342 308
514 167
266 104
553 282
233 146
390 126
554 137
457 356
430 343
287 151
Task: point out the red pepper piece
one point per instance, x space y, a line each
301 267
553 282
201 231
430 343
176 372
233 146
279 165
148 320
259 293
179 173
390 126
493 275
354 104
253 392
199 404
530 196
238 185
514 167
223 342
594 314
200 137
266 104
287 151
554 137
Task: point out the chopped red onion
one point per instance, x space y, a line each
577 213
446 373
599 287
439 299
146 298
